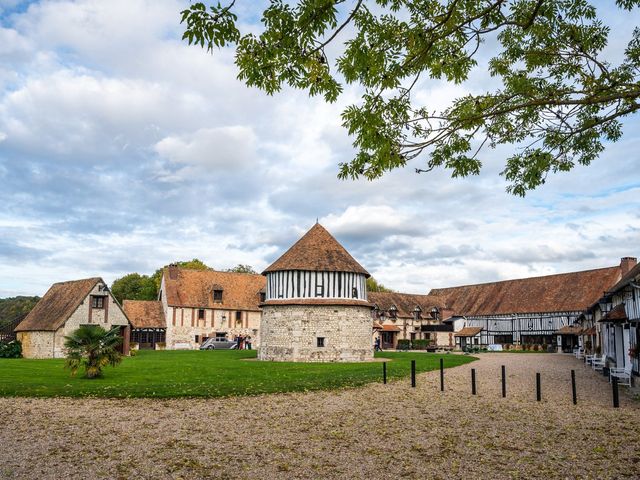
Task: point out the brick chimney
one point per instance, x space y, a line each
173 271
627 263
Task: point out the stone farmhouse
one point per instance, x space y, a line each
199 304
405 316
65 307
316 307
544 310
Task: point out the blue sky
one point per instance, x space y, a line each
122 149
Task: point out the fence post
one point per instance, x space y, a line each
573 387
413 373
384 373
442 374
614 386
473 381
538 389
504 381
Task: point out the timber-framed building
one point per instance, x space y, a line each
544 310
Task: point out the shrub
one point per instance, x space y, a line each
403 344
93 348
507 346
12 349
160 345
420 344
535 348
525 347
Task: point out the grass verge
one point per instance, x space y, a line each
214 373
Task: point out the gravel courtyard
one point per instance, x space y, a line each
377 431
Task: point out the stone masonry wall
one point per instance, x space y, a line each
107 317
36 344
290 332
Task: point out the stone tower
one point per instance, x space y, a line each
316 307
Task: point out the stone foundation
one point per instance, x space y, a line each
289 333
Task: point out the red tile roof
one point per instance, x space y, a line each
389 328
565 292
194 288
617 314
317 250
145 313
57 305
406 303
570 330
468 332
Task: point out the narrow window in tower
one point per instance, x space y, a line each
320 342
319 285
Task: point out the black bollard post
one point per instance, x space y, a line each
473 381
413 373
573 387
614 386
384 373
538 391
504 381
442 374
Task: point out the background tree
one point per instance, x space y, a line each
15 308
240 268
93 348
134 287
194 264
374 286
556 99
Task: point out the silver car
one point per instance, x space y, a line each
214 343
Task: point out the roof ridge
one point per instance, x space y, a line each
525 278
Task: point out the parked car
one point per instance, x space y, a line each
214 343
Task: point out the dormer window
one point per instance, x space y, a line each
417 313
393 311
217 295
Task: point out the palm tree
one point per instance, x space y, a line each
92 347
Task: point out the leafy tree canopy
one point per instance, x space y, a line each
374 286
14 309
557 100
240 268
194 264
134 287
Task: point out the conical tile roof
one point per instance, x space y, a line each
317 251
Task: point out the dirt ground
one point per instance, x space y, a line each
377 431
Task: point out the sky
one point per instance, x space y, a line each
122 149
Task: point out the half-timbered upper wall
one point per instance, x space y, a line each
305 284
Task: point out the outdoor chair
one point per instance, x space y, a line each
589 358
622 374
579 353
598 363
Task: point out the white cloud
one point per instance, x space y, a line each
123 149
228 148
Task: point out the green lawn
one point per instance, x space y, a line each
210 373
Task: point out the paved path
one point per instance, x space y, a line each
377 431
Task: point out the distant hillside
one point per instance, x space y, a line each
12 309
